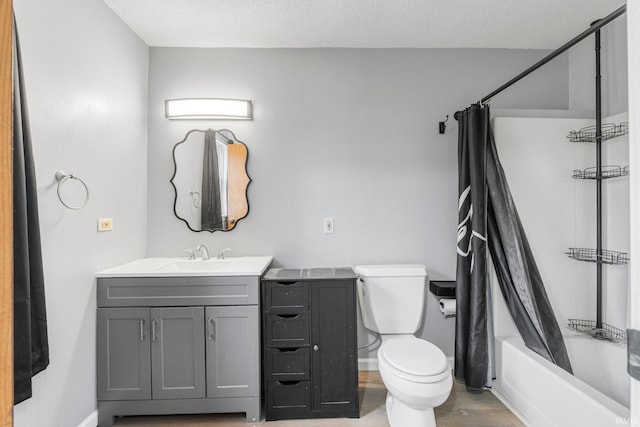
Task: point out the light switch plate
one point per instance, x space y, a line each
105 224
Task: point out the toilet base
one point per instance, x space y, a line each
401 415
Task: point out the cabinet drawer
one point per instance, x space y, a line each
287 330
178 291
288 364
288 399
286 296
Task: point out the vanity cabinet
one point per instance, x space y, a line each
178 346
309 343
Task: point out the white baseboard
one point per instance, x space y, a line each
368 364
91 420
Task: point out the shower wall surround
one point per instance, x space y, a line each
558 212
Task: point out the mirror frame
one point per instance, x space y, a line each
175 171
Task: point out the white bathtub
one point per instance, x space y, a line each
544 395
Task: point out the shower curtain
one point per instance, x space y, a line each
211 212
487 217
31 348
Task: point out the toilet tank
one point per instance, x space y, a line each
391 297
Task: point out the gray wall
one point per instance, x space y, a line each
86 78
613 70
345 133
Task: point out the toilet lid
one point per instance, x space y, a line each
414 356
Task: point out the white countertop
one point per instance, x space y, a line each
183 267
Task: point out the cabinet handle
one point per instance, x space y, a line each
316 348
153 330
141 329
212 329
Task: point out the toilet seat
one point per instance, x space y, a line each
414 359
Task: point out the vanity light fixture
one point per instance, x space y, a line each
208 109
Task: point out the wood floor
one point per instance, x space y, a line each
461 409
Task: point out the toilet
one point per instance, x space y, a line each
415 372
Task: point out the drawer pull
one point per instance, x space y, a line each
316 348
289 350
141 329
288 383
287 283
288 316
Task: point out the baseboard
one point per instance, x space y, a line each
367 364
91 420
451 362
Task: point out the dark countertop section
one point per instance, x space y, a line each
285 274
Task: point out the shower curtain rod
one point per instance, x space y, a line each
592 29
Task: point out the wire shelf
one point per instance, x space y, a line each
612 171
609 131
605 257
605 333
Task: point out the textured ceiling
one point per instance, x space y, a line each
533 24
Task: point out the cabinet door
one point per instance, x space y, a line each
177 352
233 356
333 355
124 354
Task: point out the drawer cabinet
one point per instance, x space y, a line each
309 343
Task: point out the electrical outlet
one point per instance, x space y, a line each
105 224
328 226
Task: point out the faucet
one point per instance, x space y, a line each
203 249
190 253
221 254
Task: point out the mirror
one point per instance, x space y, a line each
210 180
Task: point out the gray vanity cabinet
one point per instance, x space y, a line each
178 346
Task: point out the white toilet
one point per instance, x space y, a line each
416 373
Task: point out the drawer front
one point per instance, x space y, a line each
287 364
287 330
286 296
178 291
288 399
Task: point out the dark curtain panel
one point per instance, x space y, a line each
518 275
488 216
211 211
31 348
472 353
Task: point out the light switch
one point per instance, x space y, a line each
105 224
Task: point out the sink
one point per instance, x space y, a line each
182 267
196 265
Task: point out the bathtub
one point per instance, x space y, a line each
542 394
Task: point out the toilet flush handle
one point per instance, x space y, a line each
315 347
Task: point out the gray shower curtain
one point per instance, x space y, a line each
211 212
31 347
487 216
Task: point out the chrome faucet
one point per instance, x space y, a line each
203 249
190 253
221 254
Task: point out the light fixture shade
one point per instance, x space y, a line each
208 109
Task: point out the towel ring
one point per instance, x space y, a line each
63 177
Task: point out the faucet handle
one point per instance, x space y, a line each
221 254
190 252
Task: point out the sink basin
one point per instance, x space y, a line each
182 267
195 265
